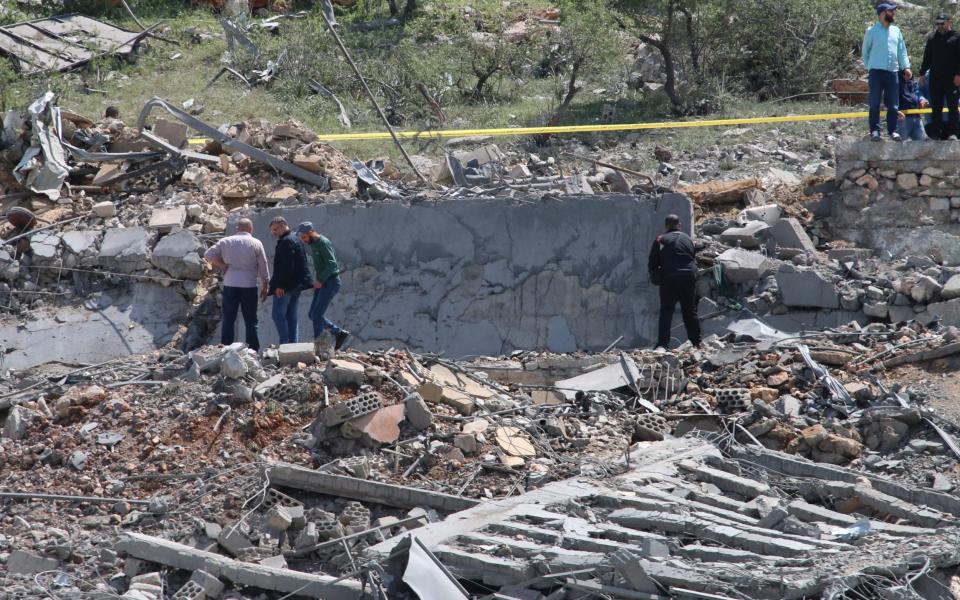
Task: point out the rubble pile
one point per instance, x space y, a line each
288 473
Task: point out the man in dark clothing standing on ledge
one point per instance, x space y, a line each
940 56
326 286
673 267
291 275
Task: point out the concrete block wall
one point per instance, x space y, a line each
902 199
488 276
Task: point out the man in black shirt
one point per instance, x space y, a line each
673 267
291 275
940 56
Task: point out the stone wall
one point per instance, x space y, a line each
900 199
488 276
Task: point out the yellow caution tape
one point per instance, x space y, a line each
512 131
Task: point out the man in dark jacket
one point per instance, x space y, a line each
673 267
291 275
940 57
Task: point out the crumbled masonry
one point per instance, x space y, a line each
495 427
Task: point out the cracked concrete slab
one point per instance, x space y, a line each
140 320
489 276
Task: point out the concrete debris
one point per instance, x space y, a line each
805 441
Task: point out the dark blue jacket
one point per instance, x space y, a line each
290 270
909 93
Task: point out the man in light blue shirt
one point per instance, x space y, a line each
885 56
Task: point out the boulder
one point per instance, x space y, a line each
743 266
807 289
788 233
177 254
125 250
748 236
951 289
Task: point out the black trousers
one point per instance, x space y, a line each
682 289
942 90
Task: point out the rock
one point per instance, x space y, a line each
907 181
768 213
177 254
951 289
885 434
925 289
80 242
15 426
291 354
125 250
466 442
166 220
748 236
417 412
807 289
877 310
105 210
742 266
777 177
27 563
788 233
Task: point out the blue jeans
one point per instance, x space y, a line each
285 317
884 87
911 128
318 307
244 300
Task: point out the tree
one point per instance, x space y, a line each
670 26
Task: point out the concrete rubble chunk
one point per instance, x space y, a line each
165 220
951 289
743 266
179 556
105 209
925 289
788 233
344 372
366 491
417 412
125 250
26 563
291 354
807 289
379 427
178 254
515 443
748 236
15 425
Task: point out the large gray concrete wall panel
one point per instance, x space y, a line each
488 276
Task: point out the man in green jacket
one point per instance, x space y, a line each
327 282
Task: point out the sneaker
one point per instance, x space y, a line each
896 137
952 138
341 339
875 136
659 350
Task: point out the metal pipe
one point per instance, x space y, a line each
28 496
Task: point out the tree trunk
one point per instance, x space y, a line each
409 8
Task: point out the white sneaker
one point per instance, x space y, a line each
896 137
875 136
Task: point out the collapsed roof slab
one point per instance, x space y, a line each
488 276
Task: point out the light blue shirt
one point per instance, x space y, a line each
884 48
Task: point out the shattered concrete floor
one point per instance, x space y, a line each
536 476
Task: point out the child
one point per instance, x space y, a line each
910 127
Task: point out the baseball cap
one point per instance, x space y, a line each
305 227
942 18
885 6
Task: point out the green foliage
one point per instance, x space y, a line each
774 48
